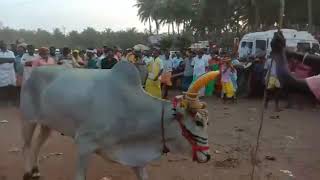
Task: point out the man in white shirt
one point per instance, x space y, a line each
206 55
176 60
7 73
199 65
29 56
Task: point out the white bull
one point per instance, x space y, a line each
107 113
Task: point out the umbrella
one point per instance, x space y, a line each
141 47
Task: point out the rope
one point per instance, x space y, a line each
261 122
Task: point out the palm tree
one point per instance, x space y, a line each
144 12
148 11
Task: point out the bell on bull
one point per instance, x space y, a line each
120 122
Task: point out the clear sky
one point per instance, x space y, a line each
71 14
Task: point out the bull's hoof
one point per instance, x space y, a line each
27 176
35 173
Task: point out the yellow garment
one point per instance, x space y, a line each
273 82
228 89
154 87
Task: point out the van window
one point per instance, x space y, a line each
261 44
247 44
303 47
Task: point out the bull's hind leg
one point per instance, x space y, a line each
27 134
39 141
141 173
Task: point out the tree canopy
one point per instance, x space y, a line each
187 21
205 17
89 37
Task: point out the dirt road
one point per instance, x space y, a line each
289 140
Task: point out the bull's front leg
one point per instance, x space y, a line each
85 149
81 166
141 173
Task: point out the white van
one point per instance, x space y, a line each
254 43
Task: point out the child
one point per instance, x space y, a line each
228 76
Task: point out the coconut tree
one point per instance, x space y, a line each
148 11
145 11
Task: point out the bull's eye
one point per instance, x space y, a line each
199 123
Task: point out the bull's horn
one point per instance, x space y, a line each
201 82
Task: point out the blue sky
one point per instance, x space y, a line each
71 14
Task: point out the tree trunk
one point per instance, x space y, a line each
157 26
173 30
178 28
310 19
150 26
256 15
282 11
168 29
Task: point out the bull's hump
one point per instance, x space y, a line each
127 72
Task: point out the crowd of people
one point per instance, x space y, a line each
165 70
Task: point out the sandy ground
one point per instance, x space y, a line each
290 137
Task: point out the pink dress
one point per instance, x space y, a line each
314 85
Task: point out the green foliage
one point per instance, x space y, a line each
81 40
166 43
183 41
205 17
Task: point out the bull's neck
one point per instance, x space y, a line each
172 130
